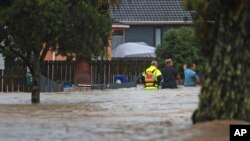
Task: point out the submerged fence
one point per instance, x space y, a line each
13 80
17 80
57 73
102 71
107 72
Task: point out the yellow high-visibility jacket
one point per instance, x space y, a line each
157 75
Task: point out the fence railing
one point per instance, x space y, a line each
102 71
13 80
106 72
57 73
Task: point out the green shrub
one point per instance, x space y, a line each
182 46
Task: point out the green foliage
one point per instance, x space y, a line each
223 28
182 46
77 26
81 27
65 26
4 3
85 31
30 23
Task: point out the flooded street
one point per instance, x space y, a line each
106 115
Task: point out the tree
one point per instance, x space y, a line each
29 28
96 24
109 2
181 45
223 28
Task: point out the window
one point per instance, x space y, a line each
117 38
157 36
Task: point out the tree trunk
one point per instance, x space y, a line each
35 98
225 94
83 71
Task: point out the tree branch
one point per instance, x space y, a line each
45 48
18 54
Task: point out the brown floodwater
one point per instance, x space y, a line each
108 115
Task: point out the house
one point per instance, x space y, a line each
53 56
147 20
139 21
142 21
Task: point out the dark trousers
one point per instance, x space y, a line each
169 84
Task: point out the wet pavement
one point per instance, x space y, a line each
132 114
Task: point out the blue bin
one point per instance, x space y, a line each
67 85
122 78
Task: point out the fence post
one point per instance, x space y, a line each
70 72
12 85
2 79
52 71
61 72
91 72
104 72
109 72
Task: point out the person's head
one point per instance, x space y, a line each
184 66
169 62
193 66
154 63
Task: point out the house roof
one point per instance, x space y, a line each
151 12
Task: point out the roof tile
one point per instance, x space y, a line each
150 10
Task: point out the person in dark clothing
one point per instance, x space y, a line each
169 74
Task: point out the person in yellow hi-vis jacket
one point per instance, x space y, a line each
152 77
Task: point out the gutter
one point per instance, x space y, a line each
120 26
156 22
